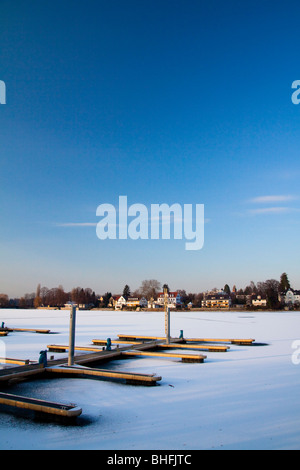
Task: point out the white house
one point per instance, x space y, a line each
291 297
259 302
174 299
119 302
137 302
143 302
216 300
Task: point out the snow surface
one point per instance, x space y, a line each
246 398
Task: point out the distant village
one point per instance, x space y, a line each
267 295
211 301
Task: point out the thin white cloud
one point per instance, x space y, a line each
273 210
77 224
272 199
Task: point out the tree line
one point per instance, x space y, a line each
57 297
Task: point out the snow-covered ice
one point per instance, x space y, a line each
246 398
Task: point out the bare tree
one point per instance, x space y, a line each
270 289
149 288
4 300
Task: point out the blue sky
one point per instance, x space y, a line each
165 101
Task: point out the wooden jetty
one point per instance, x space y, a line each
184 357
240 342
20 362
103 342
128 377
245 342
31 330
20 373
128 338
94 355
137 352
195 347
176 344
40 406
126 346
60 348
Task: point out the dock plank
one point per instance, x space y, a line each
103 342
183 357
42 406
145 379
194 347
130 337
64 348
31 330
236 341
20 362
220 340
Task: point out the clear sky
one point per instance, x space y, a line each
164 101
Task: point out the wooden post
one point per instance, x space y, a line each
72 336
167 316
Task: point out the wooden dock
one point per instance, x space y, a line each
128 338
184 357
94 355
128 377
179 344
31 330
126 346
240 342
195 347
138 352
245 342
20 362
60 348
20 373
40 406
103 342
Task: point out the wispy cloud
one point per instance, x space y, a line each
273 210
272 199
76 224
269 207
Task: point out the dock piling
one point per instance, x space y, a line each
72 335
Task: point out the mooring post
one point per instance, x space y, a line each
167 316
72 335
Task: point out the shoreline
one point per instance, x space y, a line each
196 309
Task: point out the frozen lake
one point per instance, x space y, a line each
246 398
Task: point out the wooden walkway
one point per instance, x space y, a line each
40 406
240 342
26 372
31 330
178 343
126 346
128 377
20 362
138 352
183 357
195 347
245 342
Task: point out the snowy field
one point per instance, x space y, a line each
246 398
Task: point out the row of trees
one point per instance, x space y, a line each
57 297
269 290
